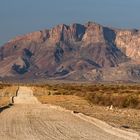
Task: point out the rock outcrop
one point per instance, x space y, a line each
129 42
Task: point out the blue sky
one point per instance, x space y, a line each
18 17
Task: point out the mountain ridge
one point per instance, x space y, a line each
89 52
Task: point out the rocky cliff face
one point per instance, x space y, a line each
129 42
76 52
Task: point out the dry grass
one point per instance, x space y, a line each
4 101
6 91
63 100
121 96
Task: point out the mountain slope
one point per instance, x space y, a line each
75 52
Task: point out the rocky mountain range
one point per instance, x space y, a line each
89 52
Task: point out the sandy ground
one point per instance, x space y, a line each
28 119
123 118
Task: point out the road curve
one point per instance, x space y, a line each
28 119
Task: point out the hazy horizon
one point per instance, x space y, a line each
20 17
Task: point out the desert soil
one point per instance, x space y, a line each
28 119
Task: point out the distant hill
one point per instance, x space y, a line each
89 52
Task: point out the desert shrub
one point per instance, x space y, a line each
131 101
101 94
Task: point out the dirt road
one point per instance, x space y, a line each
28 119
